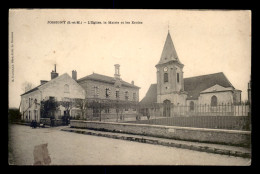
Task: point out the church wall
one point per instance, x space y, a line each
175 98
222 97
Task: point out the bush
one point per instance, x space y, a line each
14 115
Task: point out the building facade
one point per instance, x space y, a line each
59 88
103 88
172 89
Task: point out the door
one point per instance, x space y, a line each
166 108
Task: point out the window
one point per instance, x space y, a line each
134 96
107 110
66 88
214 101
178 77
165 77
191 106
126 95
117 93
107 92
95 91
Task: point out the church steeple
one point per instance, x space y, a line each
169 53
169 70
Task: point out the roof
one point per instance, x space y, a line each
169 53
34 89
151 95
192 85
106 79
37 87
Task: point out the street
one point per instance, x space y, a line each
66 148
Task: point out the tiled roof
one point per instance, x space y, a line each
192 85
151 95
106 79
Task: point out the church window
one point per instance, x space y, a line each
178 77
165 77
66 88
214 101
191 106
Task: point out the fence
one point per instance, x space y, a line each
208 110
168 109
213 122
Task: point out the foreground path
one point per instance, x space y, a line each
66 148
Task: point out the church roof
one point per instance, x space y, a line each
192 85
151 95
169 53
106 79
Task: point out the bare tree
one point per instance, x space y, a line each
26 86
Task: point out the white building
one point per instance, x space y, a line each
60 88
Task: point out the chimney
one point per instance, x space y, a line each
54 74
74 75
43 81
133 83
117 73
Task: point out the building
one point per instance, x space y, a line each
103 88
59 88
172 89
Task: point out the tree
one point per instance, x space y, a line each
82 104
26 86
68 104
48 108
14 115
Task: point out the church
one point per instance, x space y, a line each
172 89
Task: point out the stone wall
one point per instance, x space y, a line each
231 137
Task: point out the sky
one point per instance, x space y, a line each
206 42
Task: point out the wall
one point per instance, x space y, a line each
231 137
88 86
54 88
222 97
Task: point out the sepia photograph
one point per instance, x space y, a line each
129 87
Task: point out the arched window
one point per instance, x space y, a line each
214 101
66 88
165 77
178 77
191 106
